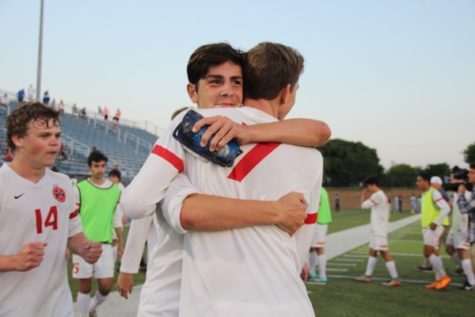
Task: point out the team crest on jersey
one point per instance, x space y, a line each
59 194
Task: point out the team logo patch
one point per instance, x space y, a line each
59 194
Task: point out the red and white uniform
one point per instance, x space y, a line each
380 208
241 272
43 211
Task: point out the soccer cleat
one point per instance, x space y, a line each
424 268
392 283
312 277
443 283
467 286
458 271
93 313
322 280
432 285
363 279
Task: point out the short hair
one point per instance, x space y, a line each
371 181
115 172
269 68
17 121
425 176
96 156
178 111
472 165
210 55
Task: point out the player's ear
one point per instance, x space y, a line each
284 94
18 141
192 92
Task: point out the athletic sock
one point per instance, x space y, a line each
312 261
372 260
467 269
82 302
322 265
391 266
97 300
456 258
438 266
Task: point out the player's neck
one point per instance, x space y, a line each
97 181
26 170
264 105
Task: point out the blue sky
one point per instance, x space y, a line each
398 76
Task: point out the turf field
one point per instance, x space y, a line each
344 297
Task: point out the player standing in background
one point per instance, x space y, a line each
39 219
98 199
380 210
317 251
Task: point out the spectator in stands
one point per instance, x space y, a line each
5 102
20 95
31 93
117 115
63 156
46 97
83 113
61 107
105 113
53 104
337 203
99 110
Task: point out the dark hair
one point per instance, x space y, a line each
472 165
425 176
96 156
17 121
178 111
270 67
115 172
371 181
210 55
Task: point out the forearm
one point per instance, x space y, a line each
301 132
76 244
444 212
8 263
120 236
211 213
135 244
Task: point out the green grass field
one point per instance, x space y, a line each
350 218
344 297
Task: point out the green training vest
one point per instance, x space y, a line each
97 210
324 212
429 210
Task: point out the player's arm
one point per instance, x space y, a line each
163 164
443 207
133 252
465 205
301 132
30 256
82 246
185 209
118 228
369 203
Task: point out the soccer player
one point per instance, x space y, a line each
39 219
434 209
380 209
265 273
317 251
98 198
215 78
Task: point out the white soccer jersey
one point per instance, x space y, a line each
269 252
379 205
29 212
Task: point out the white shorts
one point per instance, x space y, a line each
378 243
103 268
320 236
432 237
458 240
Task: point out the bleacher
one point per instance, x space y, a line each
126 147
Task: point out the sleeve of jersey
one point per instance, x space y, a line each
442 205
367 204
75 226
118 216
162 165
305 234
135 244
179 189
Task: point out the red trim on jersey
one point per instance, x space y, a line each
169 157
74 214
373 201
441 198
251 159
311 218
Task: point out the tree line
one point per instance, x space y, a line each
348 163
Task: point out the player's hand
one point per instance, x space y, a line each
30 256
433 226
125 283
304 273
120 250
221 131
92 251
292 212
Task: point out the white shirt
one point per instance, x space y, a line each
29 212
379 205
459 220
268 251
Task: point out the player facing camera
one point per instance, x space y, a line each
459 177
